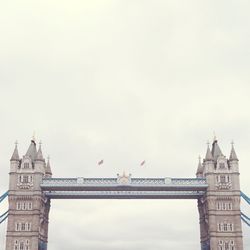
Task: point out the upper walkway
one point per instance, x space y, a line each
124 187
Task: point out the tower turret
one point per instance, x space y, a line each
220 208
200 169
48 172
28 208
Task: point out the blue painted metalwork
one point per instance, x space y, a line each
246 217
42 245
124 187
4 214
245 197
245 221
4 218
3 196
124 194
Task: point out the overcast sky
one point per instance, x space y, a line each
125 81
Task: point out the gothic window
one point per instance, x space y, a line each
229 206
22 226
218 206
21 246
26 165
222 178
27 245
220 246
16 245
226 246
30 205
25 179
221 165
17 227
225 227
217 178
18 206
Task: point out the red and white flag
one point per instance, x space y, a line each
100 162
143 163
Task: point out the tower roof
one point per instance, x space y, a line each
216 151
209 156
48 169
233 156
200 167
39 155
32 152
15 155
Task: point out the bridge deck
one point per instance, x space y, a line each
124 188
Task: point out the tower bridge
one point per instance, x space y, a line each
124 187
216 188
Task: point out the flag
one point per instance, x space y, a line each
142 163
100 162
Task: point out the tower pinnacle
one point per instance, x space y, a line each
208 156
15 155
39 155
233 156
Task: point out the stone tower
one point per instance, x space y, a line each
28 208
219 210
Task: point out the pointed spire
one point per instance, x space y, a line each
200 167
32 152
216 151
209 156
233 156
48 169
15 155
39 155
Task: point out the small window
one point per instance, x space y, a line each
222 178
226 246
18 206
21 246
26 165
221 165
25 179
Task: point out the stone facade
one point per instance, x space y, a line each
220 220
219 208
28 208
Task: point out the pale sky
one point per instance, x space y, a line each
125 81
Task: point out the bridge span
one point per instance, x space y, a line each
124 187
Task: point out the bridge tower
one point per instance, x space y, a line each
219 210
27 227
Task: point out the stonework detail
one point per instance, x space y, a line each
28 207
219 209
216 188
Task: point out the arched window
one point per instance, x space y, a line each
16 245
21 247
220 245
